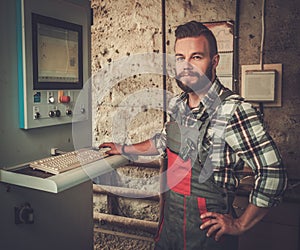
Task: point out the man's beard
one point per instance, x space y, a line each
201 83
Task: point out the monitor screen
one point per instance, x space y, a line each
57 54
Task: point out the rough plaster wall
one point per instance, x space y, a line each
282 45
122 31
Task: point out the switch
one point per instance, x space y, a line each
51 113
37 115
62 98
68 112
65 99
57 113
24 214
50 97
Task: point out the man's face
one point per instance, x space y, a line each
194 67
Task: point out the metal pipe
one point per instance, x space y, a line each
148 226
121 234
164 50
156 164
236 85
125 192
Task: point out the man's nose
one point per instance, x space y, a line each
187 65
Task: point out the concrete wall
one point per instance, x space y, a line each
122 32
125 28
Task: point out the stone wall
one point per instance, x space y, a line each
124 35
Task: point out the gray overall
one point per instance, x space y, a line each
187 197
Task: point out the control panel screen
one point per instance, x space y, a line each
57 54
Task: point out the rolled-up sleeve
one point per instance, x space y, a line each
247 136
160 142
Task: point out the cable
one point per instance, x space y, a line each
262 35
261 61
236 87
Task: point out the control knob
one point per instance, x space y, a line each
37 115
51 99
57 113
68 112
51 113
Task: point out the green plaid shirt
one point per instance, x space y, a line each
235 135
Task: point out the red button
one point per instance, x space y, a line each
65 99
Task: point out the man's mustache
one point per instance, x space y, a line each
189 73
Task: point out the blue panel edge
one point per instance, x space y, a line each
20 64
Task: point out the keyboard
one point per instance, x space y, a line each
70 160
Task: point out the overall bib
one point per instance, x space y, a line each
187 197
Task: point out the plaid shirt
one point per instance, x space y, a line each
235 136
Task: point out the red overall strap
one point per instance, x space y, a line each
202 207
184 223
179 174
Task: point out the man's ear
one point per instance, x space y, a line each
215 60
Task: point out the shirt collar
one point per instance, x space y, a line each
208 103
211 100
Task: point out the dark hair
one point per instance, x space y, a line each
195 29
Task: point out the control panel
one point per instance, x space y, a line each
52 107
53 62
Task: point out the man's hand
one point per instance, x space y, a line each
115 149
142 148
220 224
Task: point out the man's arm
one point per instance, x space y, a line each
225 224
246 135
142 148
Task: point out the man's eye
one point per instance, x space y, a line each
197 58
179 59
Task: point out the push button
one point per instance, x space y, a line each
65 99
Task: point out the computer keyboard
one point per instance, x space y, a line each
70 160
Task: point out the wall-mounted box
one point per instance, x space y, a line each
264 88
259 85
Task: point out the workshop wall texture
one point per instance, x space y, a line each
124 35
123 29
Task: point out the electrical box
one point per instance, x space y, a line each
265 85
259 85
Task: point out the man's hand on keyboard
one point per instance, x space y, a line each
115 149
